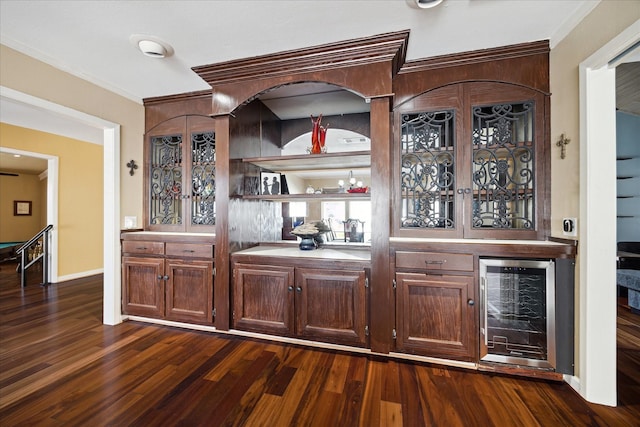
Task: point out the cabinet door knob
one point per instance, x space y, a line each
166 277
459 190
159 277
290 288
298 289
471 302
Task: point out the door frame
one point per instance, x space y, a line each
597 276
112 313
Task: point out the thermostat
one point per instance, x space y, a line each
570 226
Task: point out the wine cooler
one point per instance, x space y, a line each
517 309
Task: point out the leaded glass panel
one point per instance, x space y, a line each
427 175
503 166
166 180
203 178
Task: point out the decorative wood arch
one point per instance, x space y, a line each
365 66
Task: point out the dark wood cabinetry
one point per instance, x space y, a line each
471 162
143 286
188 292
314 302
180 175
435 315
459 154
435 304
331 305
156 283
263 299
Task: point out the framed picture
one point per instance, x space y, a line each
21 207
270 183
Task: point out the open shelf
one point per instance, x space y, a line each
342 160
310 197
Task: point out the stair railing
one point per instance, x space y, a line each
32 252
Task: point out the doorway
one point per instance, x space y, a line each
51 204
597 304
110 135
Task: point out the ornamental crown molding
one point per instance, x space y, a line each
388 47
476 56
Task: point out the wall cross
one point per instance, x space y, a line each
562 143
132 167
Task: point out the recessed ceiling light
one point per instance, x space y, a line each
423 4
17 155
151 46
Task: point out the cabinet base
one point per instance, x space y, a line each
483 367
528 372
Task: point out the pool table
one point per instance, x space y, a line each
8 250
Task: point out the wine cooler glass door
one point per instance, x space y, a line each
517 312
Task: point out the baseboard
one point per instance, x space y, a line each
573 381
80 275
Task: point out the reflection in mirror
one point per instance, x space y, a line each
337 141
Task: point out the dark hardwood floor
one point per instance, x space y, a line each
61 366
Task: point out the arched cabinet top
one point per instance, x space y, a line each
365 66
525 65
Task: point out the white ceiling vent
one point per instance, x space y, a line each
423 4
151 46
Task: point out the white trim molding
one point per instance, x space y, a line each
112 313
597 303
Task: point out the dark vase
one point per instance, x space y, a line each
308 243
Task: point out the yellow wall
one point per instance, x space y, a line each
80 200
25 187
27 75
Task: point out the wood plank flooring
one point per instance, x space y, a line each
61 366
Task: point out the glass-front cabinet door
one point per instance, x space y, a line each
503 177
469 163
428 162
166 180
506 179
202 179
181 156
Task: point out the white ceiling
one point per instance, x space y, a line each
91 40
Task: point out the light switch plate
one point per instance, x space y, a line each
570 227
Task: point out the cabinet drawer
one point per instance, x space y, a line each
434 261
140 247
196 250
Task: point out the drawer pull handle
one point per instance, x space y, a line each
189 251
142 248
435 262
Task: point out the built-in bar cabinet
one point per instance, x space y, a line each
446 168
